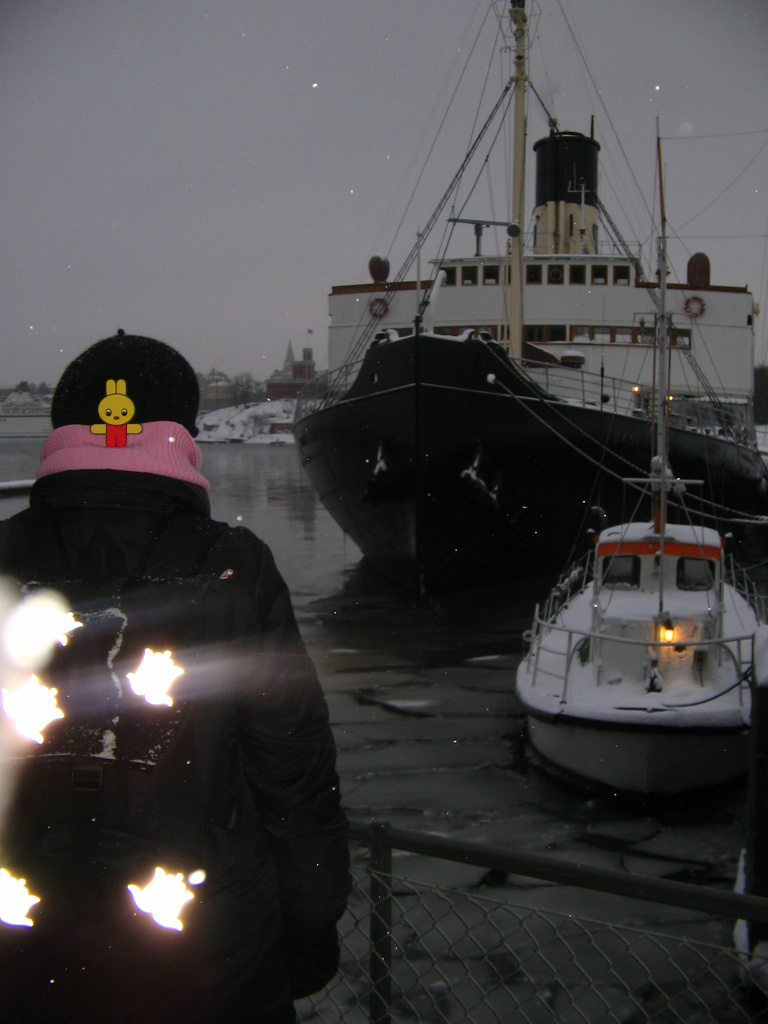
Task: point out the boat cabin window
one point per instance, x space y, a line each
555 273
695 574
621 571
469 275
491 273
533 273
621 275
578 274
599 274
450 277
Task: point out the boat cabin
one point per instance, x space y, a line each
666 597
629 557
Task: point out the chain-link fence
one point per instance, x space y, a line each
415 952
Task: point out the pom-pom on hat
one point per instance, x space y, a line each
158 380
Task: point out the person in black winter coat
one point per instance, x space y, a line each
119 478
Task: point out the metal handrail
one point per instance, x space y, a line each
380 836
543 626
576 386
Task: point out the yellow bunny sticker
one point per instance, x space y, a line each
116 411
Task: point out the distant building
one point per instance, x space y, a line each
288 382
217 391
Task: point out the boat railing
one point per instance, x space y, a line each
326 388
569 384
737 649
572 581
626 398
738 577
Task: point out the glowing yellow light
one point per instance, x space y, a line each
31 706
635 389
34 626
669 633
67 624
15 900
163 898
154 677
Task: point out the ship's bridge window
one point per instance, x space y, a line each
449 280
621 571
469 275
533 273
491 273
555 273
695 574
579 332
621 275
534 333
599 274
578 274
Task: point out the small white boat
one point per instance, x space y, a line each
638 672
637 675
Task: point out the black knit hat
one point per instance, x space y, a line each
159 381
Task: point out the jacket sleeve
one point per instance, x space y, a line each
289 759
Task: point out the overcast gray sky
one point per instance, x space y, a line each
204 171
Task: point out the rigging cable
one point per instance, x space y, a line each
725 514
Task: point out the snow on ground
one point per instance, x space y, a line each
256 423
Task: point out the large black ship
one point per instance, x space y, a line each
455 438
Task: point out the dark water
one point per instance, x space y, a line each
421 695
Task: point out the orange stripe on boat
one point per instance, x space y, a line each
644 547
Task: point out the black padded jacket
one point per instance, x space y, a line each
271 790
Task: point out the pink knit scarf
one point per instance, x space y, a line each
163 448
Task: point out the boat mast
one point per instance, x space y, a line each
519 21
661 475
662 384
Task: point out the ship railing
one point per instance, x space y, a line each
617 395
585 388
578 386
736 649
326 388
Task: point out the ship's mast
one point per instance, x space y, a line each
519 21
662 384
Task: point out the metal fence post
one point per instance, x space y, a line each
757 794
381 925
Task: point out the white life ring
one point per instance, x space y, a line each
694 306
378 308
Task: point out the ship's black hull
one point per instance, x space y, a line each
446 479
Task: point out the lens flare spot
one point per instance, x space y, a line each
34 626
154 677
163 898
31 707
15 900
